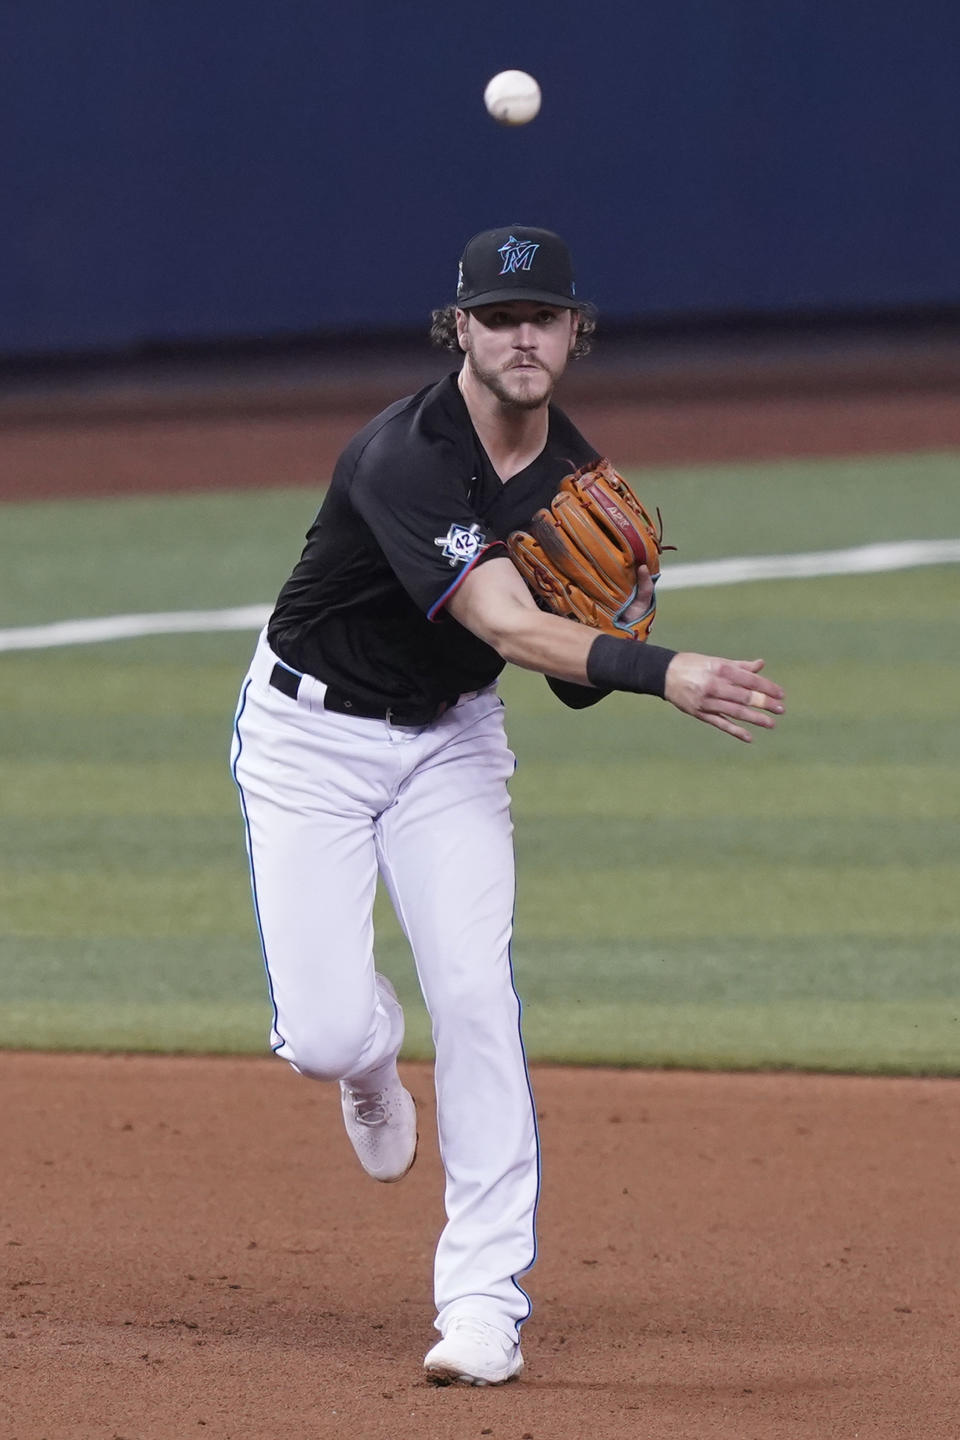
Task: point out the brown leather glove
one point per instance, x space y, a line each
582 556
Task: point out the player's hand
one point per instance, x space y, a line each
644 598
724 693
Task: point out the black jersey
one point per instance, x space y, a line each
413 506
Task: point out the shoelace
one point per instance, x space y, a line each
368 1109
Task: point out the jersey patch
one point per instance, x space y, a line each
460 544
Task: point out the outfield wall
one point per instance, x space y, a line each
191 171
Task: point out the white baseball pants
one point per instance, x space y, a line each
329 800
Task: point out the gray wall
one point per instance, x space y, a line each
192 169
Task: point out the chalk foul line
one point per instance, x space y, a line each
126 627
860 560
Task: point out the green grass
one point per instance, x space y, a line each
684 900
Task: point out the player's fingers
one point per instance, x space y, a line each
750 689
746 703
743 703
754 681
742 714
762 701
754 717
727 725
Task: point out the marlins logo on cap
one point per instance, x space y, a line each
517 254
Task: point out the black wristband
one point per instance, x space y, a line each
633 665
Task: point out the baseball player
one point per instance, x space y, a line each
369 740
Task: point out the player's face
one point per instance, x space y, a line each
518 350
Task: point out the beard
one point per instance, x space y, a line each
526 389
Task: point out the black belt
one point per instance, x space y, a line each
288 681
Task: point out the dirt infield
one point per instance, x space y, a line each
191 1248
153 455
242 428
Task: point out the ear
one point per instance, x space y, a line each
463 322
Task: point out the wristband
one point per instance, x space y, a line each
614 664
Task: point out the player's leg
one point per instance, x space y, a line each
309 795
447 858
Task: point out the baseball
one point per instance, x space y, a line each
512 97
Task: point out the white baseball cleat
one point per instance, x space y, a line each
382 1123
473 1353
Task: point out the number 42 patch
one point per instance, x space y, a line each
461 544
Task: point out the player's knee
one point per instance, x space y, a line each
326 1052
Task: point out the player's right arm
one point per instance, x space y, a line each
495 604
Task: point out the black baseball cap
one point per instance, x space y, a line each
516 262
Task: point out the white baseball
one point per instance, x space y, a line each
512 97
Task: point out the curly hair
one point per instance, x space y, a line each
443 329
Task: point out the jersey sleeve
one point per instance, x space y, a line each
577 697
416 502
